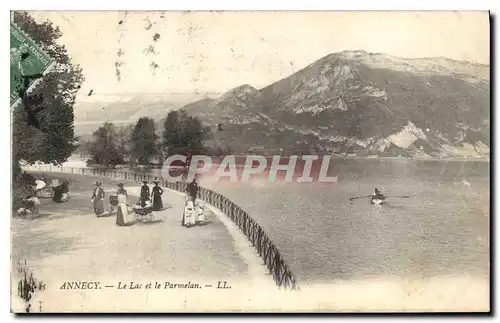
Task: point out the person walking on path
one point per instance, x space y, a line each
192 190
113 200
123 218
156 197
98 199
145 193
188 215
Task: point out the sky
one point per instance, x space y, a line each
217 51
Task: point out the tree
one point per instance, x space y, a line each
83 147
183 134
144 140
104 148
171 133
53 141
124 139
193 133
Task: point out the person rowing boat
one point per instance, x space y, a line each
377 197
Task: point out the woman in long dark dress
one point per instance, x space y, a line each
145 193
61 193
58 192
97 199
156 196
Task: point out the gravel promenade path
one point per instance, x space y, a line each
68 243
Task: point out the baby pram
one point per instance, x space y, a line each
44 190
144 213
113 200
113 203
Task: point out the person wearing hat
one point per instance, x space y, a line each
97 198
113 200
123 218
156 197
145 193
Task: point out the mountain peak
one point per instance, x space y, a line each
424 65
245 88
239 92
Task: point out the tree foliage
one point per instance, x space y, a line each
105 148
144 140
112 145
58 88
183 133
124 139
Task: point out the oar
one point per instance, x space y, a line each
359 197
401 196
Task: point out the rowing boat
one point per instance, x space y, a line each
377 201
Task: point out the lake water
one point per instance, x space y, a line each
442 230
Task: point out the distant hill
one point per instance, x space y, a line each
91 115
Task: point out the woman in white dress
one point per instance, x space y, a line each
200 213
189 215
123 218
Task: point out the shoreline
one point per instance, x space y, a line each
80 162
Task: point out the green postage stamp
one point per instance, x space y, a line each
27 60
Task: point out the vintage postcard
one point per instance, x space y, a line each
168 161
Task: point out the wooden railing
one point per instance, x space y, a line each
271 256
